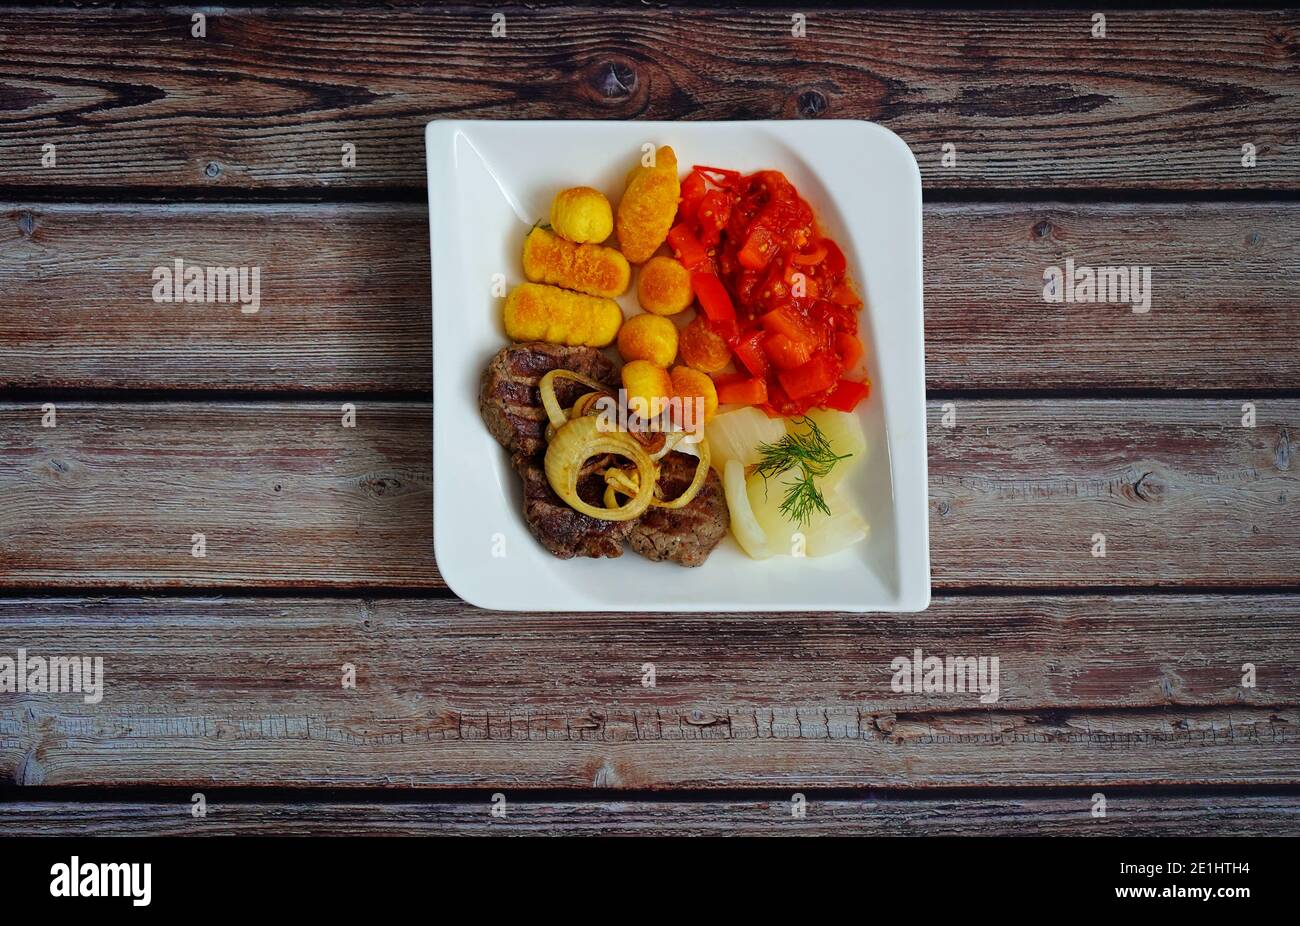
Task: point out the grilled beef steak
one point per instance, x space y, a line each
684 535
512 409
508 396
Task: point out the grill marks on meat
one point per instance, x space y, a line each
512 410
509 399
511 406
685 535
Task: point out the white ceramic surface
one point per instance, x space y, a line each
490 181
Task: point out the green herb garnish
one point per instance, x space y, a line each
811 454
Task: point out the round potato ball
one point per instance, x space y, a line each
648 337
582 215
663 286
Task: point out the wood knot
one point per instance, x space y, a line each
811 103
613 79
1044 228
212 170
26 224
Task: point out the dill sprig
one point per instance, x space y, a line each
811 454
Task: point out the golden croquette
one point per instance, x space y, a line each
648 337
534 312
587 268
649 204
582 215
663 286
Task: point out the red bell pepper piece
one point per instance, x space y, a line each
817 375
849 349
785 352
758 250
689 250
712 296
693 190
845 396
785 320
747 392
750 351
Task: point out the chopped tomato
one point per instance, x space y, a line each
758 249
712 216
712 295
785 352
749 392
787 322
688 248
772 287
849 348
817 375
846 395
752 355
815 256
835 263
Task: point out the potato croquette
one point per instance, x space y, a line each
648 388
648 206
663 286
587 268
648 337
582 215
534 312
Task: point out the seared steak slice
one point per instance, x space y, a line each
684 535
563 531
508 398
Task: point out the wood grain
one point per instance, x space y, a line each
266 100
345 297
286 496
1092 690
1217 815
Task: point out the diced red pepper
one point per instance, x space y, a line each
693 190
712 216
719 175
785 352
849 349
815 256
758 250
817 375
835 264
729 379
750 351
785 320
845 396
750 392
689 250
713 296
728 329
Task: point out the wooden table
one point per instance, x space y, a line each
1120 675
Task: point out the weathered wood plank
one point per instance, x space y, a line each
1092 691
266 100
345 297
1179 492
1218 815
286 496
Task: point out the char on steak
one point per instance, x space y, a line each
510 402
685 535
512 410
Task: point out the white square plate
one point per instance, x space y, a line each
490 181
